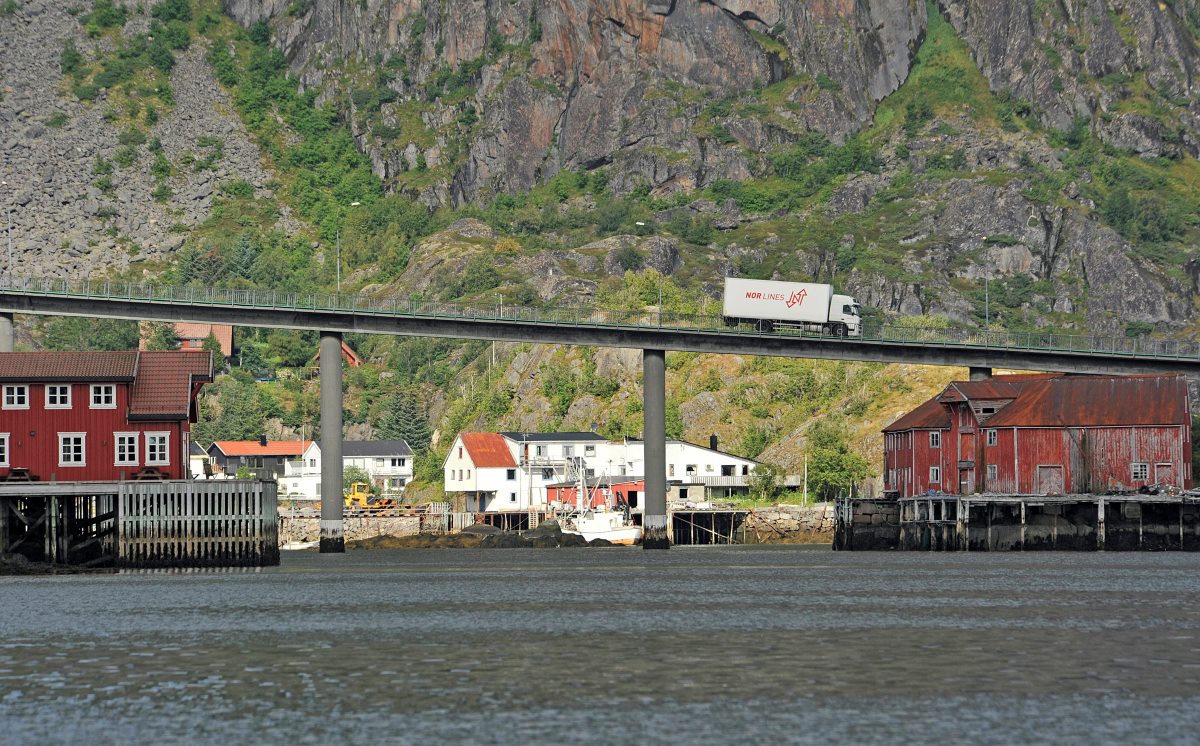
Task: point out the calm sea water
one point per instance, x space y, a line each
694 645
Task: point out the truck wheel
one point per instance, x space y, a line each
766 326
839 330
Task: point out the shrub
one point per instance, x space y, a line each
56 120
70 59
126 156
132 136
173 10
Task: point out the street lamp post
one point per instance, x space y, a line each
338 244
8 269
987 276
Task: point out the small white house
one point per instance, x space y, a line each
388 462
510 471
481 465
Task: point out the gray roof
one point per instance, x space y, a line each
363 448
555 437
196 450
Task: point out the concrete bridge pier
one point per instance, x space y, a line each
7 334
333 538
654 392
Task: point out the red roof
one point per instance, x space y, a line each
1057 400
932 415
1096 401
120 365
164 386
488 450
195 332
256 448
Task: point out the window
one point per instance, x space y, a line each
58 397
708 468
539 451
104 396
510 474
568 451
3 449
547 474
690 470
127 448
589 473
157 449
71 449
589 450
468 473
1141 471
512 497
397 463
987 410
992 471
935 475
993 437
16 397
670 470
935 440
312 462
379 462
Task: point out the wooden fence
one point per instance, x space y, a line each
197 523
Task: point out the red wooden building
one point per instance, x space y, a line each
1043 434
82 416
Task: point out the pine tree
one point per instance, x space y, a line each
162 337
244 255
404 420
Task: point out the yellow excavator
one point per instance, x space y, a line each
358 496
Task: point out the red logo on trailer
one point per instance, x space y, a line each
797 298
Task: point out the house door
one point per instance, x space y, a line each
966 481
1049 480
1164 474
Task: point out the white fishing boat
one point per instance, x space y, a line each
593 520
601 523
294 545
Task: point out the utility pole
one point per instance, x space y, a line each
805 480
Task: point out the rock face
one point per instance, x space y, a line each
1038 53
620 82
62 224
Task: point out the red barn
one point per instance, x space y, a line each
1043 434
82 416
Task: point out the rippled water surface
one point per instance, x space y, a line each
694 645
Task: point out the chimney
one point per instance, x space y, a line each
712 441
262 440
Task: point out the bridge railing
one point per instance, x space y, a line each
591 316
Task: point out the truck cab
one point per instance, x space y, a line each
845 310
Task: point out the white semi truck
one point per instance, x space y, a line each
808 306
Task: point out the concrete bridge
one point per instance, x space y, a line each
652 332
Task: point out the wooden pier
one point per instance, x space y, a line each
153 524
936 522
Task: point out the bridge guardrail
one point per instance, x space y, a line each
597 317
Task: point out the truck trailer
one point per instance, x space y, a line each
808 306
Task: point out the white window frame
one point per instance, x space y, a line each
935 475
993 472
14 389
589 450
1145 468
135 437
993 436
59 405
166 460
82 450
5 455
935 439
102 388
